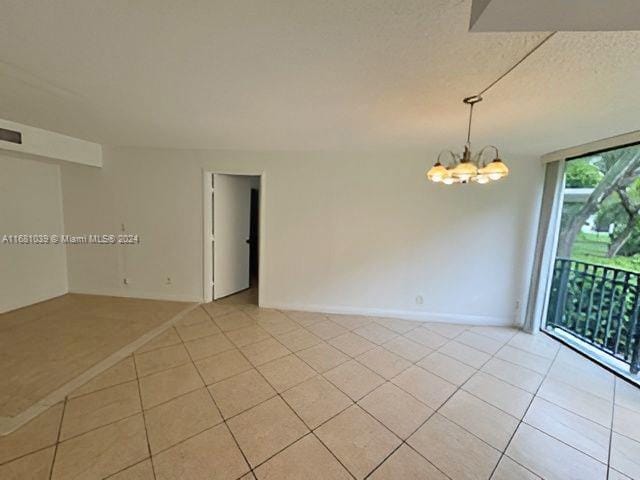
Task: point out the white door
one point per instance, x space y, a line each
231 215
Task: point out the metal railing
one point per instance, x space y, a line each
599 305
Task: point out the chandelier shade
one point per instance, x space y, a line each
495 170
437 173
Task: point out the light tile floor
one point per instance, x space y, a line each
46 345
238 392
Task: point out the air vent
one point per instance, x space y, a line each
10 136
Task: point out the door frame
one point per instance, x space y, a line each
548 252
207 236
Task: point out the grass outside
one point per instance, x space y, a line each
592 248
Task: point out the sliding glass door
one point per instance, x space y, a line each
594 294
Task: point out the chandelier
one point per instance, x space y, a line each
466 167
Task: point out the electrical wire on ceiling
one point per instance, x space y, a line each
517 64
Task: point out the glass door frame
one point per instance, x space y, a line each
547 244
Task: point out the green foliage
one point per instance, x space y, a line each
611 211
632 246
569 210
593 244
587 172
581 173
631 264
592 248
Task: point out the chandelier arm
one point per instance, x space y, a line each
451 154
481 152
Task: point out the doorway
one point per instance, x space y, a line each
232 240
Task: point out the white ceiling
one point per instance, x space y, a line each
306 74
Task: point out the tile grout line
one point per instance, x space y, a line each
144 418
448 339
535 394
60 393
434 411
620 435
126 417
593 360
177 443
23 455
111 475
573 413
55 451
278 394
503 453
492 356
507 381
323 341
613 417
153 349
437 411
460 387
311 431
352 404
533 427
107 387
563 408
224 420
115 421
402 441
319 374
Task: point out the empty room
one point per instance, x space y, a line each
295 239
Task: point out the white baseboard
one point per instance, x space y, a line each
421 316
175 297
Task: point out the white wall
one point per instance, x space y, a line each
360 232
30 203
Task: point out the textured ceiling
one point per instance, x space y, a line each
306 74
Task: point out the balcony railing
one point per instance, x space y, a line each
598 305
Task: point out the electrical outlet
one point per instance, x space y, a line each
419 300
126 281
168 281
